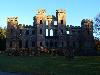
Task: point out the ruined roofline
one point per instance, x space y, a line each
25 26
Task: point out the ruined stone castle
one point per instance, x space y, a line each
50 32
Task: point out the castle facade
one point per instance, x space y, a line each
49 32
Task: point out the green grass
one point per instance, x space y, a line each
58 65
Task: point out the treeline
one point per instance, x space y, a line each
2 39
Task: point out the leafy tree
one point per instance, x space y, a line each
2 39
96 26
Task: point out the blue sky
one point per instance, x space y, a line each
25 9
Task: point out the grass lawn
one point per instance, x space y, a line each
49 65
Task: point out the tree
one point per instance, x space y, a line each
2 39
96 26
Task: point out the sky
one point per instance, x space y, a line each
26 9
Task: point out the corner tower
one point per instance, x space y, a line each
40 21
87 37
12 23
61 16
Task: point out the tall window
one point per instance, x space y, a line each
62 44
55 22
55 31
46 22
61 21
27 32
51 44
46 32
40 31
47 44
61 31
26 44
11 44
33 32
51 32
33 44
40 43
20 44
20 31
55 44
40 21
67 32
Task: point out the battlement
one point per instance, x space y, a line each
61 11
41 11
9 19
86 21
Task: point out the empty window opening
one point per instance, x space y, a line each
51 32
20 44
11 44
15 20
67 32
40 21
55 22
40 31
61 21
51 44
62 31
88 32
73 44
55 44
46 22
62 44
26 44
55 31
33 44
20 31
47 44
46 32
27 32
33 32
40 43
67 43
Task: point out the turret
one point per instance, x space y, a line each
61 16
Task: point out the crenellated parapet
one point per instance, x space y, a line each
87 23
12 21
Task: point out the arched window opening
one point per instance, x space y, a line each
46 32
40 21
61 21
46 22
40 43
51 32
